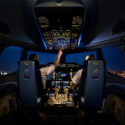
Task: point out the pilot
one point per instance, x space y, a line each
45 71
77 77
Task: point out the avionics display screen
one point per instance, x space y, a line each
62 76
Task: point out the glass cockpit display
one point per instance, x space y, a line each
60 28
62 76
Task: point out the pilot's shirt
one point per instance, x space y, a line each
76 78
45 71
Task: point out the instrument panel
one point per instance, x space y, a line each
60 28
61 98
59 92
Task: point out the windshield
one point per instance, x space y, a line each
44 58
9 60
115 61
78 58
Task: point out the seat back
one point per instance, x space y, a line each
94 82
28 87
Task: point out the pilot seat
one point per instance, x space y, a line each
91 85
29 85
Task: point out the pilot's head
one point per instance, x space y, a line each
89 57
34 57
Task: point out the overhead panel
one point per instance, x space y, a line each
60 27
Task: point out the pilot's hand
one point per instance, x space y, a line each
60 53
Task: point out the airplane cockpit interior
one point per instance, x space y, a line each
62 33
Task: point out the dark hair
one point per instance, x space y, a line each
34 57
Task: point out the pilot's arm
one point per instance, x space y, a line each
52 68
45 71
76 79
56 63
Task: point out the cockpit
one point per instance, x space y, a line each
77 28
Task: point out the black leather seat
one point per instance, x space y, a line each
29 88
91 85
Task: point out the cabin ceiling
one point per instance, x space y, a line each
104 20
